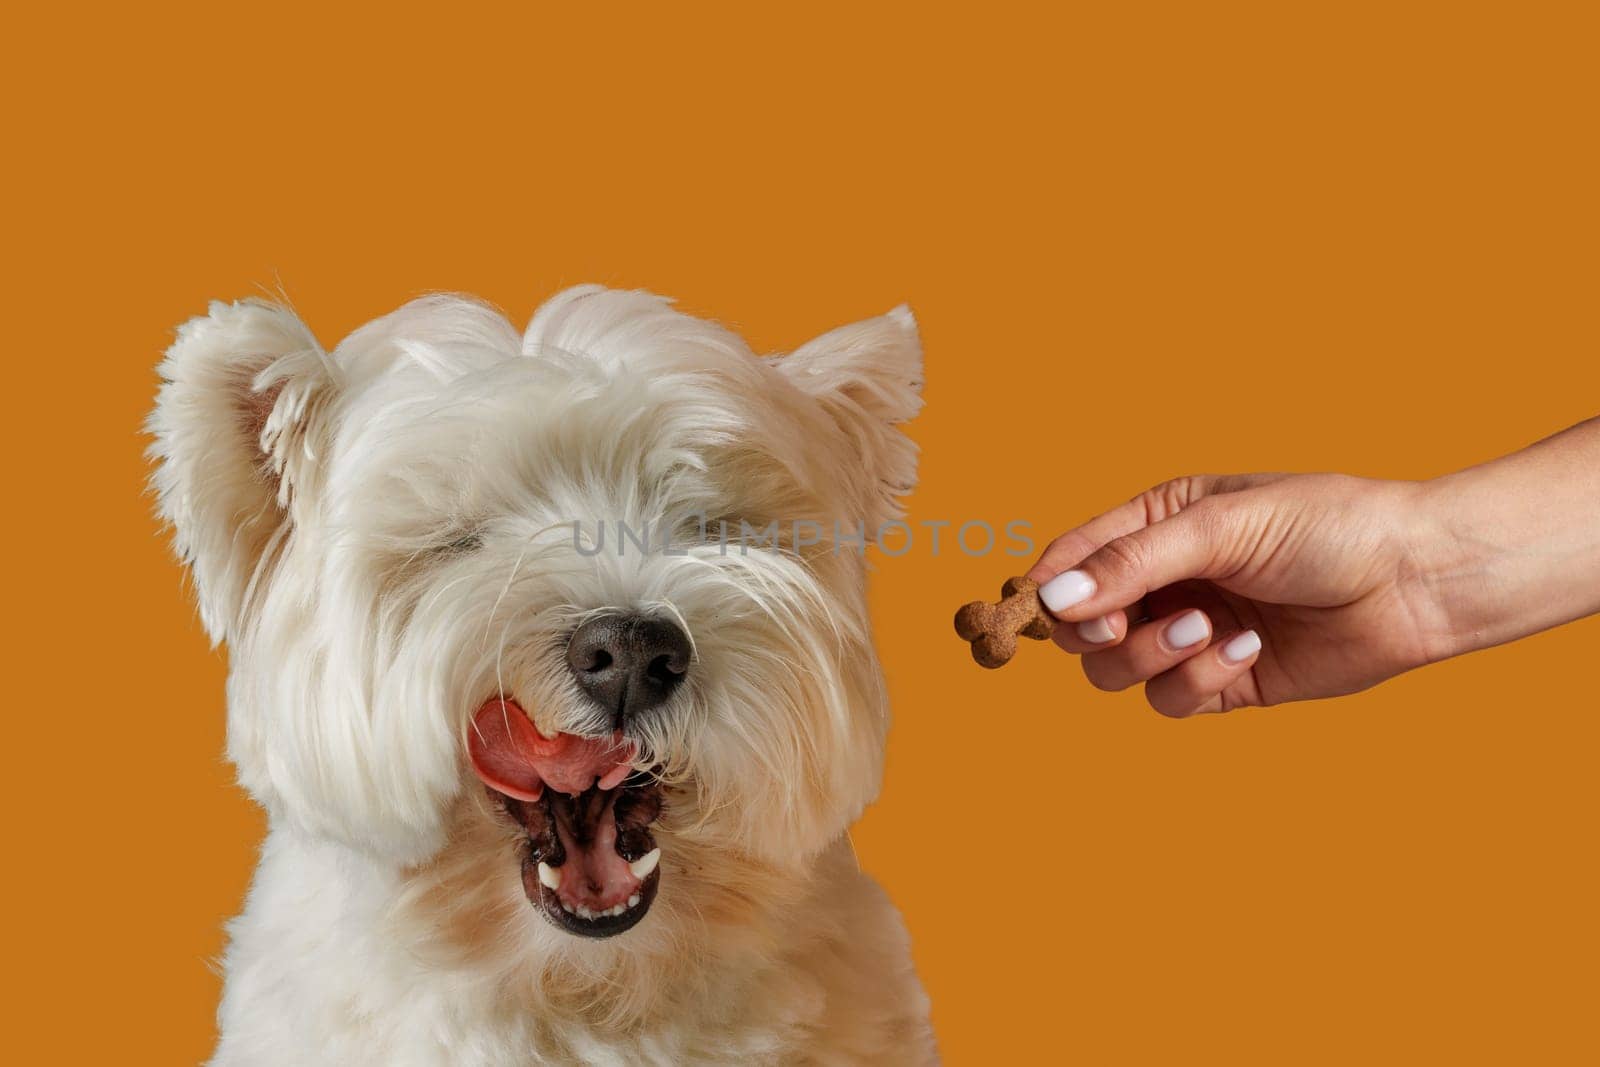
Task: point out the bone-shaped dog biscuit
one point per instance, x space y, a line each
993 628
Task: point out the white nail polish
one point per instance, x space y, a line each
1096 631
1187 629
1066 589
1241 647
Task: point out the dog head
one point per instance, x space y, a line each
605 569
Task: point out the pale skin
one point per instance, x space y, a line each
1225 592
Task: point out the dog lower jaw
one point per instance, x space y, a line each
590 864
579 920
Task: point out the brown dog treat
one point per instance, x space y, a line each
993 628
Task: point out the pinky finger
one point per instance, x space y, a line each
1196 685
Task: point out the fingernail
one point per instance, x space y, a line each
1066 589
1241 647
1096 631
1187 629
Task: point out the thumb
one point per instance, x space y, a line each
1191 544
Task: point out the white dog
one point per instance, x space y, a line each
556 771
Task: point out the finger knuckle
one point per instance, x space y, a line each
1156 696
1204 525
1209 516
1232 698
1174 495
1172 701
1103 674
1066 549
1124 557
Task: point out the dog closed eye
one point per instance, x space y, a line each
460 545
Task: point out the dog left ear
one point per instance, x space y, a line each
868 376
237 430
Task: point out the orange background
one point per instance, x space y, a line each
1141 244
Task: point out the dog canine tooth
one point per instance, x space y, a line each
633 901
646 863
549 877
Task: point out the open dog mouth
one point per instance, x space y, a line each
590 864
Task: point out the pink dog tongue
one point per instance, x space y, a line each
513 758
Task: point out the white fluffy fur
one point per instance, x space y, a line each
382 535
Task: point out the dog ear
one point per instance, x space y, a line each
868 377
237 429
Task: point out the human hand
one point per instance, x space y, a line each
1220 592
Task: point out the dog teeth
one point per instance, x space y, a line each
646 863
583 911
549 877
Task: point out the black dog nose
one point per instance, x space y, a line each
628 663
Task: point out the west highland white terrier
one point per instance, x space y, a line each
557 769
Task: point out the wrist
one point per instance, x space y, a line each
1508 548
1455 567
1434 557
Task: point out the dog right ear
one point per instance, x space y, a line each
238 428
868 378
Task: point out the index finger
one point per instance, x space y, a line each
1146 509
1072 547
